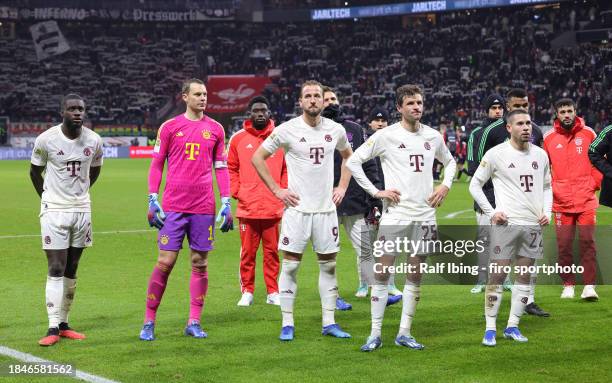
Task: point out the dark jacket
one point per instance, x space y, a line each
600 154
484 138
356 200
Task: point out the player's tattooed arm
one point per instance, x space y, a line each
94 173
37 178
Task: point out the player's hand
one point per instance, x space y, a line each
156 215
338 195
393 195
289 198
225 215
543 221
499 218
437 197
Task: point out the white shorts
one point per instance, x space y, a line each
510 241
415 237
61 230
321 228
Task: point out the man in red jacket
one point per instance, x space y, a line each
574 182
258 210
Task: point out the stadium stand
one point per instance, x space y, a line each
131 72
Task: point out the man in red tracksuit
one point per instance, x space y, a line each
574 182
258 210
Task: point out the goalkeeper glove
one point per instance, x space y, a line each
225 215
156 215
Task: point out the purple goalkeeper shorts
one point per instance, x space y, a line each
199 228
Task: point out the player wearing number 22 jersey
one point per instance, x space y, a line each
520 172
192 144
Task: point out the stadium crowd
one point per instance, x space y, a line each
131 73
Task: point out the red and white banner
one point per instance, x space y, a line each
232 93
141 151
25 129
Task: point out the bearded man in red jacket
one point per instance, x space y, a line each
574 182
258 210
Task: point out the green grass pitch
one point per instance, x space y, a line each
572 345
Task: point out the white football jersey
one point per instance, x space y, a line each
309 153
67 163
521 181
407 162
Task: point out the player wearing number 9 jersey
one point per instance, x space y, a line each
192 144
520 172
309 142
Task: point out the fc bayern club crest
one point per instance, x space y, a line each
534 165
328 138
427 146
87 152
579 141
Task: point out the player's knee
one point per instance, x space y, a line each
199 264
327 266
524 278
57 269
71 270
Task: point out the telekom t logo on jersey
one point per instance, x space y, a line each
73 167
192 150
417 161
316 153
526 182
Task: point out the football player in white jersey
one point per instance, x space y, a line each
407 150
309 142
70 155
520 172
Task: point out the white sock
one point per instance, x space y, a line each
410 299
328 290
532 285
379 296
68 297
287 285
53 295
493 298
520 294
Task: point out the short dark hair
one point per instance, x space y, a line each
310 82
516 92
516 112
328 89
258 99
70 96
407 90
564 102
187 84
